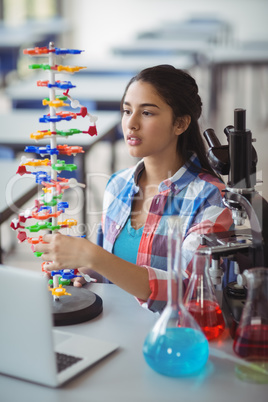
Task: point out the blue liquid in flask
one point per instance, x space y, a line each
179 352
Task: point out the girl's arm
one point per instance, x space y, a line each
71 252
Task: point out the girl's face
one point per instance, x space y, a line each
147 123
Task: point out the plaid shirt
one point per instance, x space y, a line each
193 196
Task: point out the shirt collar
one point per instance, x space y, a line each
179 180
137 171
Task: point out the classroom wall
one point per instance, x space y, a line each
98 25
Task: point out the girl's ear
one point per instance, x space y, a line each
182 123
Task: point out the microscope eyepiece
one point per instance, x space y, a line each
240 119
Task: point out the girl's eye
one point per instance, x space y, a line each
146 113
126 111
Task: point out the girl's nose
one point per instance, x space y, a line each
133 122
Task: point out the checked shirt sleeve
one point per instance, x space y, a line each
211 216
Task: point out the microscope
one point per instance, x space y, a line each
248 247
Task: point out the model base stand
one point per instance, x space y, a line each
82 306
70 305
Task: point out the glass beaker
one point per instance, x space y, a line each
200 298
251 337
175 346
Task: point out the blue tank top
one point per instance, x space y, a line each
127 243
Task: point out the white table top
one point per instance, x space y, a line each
125 376
11 38
231 55
237 53
111 75
129 66
207 29
93 88
173 45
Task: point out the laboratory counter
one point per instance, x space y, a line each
124 375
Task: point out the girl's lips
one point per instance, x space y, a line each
133 141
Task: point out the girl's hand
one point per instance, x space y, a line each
88 275
64 252
78 282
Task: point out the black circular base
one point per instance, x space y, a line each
81 306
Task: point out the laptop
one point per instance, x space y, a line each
30 348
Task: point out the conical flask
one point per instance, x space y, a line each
200 298
251 337
175 346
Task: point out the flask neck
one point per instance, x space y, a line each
174 290
174 297
200 287
257 285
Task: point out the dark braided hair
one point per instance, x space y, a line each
180 91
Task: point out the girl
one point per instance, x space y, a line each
160 112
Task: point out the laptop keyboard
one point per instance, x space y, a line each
64 361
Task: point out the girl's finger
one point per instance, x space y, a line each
47 238
78 282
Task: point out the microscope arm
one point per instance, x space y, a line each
256 208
